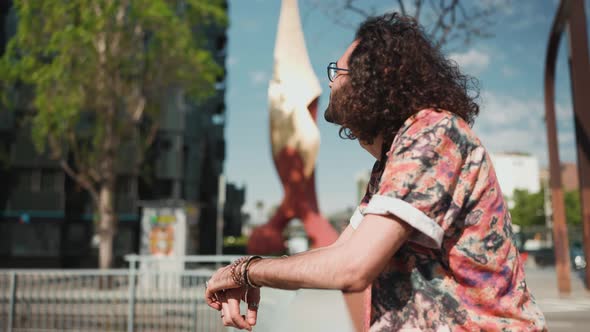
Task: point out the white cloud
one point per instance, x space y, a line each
258 77
509 124
564 113
528 22
231 61
473 60
567 137
509 72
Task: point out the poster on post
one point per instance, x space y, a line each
163 244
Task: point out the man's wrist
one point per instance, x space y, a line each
247 265
252 277
237 271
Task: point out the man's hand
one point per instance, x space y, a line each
224 295
221 280
230 307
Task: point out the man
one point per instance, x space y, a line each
433 235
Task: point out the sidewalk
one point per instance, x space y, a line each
563 312
303 310
543 284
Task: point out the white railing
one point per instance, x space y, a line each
154 294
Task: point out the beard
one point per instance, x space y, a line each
336 108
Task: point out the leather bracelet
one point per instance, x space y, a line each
246 265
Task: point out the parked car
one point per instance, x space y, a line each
546 257
577 256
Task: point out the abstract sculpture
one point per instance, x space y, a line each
293 99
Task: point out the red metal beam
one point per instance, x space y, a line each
580 77
560 237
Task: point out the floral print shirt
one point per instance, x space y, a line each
460 270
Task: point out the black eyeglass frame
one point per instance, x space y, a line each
332 67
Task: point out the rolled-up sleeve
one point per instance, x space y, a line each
418 180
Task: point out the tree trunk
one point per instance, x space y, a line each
106 225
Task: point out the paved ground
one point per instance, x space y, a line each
303 310
563 313
313 310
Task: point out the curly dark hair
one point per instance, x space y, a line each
395 71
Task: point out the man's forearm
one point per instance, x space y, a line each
324 268
349 265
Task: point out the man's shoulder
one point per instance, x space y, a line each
432 117
439 123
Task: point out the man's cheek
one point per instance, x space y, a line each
328 116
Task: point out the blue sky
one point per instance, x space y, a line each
509 66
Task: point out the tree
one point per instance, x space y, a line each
99 72
529 208
573 209
446 21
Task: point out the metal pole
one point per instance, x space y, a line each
580 78
195 305
131 297
560 237
12 303
548 210
180 118
220 206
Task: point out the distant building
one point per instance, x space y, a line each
46 219
340 219
569 176
233 216
516 171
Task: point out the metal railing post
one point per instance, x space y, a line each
196 315
131 299
12 303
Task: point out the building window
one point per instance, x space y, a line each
36 180
221 42
51 180
218 119
36 240
220 109
124 185
23 180
220 86
165 144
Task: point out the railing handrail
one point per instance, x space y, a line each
98 272
185 259
115 272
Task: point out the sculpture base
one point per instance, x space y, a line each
266 240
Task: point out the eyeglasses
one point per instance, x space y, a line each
333 71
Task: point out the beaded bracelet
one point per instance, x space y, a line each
237 275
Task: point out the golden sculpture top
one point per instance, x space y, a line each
292 88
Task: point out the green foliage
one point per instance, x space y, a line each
230 241
100 72
529 208
96 56
573 209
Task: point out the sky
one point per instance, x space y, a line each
509 66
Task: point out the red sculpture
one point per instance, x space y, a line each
293 94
